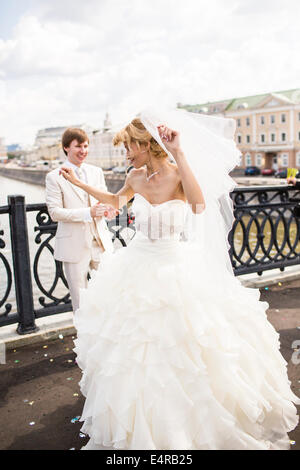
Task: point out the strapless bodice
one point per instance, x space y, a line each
163 221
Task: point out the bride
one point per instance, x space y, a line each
175 352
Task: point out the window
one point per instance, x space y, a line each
283 118
248 139
285 159
238 123
298 159
258 159
248 159
273 137
239 138
272 119
262 138
262 119
283 136
247 121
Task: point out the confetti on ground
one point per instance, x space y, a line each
16 361
67 349
72 448
70 378
292 443
279 283
15 350
45 347
266 288
74 420
46 355
69 360
31 403
75 395
51 360
82 435
61 336
25 401
276 310
32 423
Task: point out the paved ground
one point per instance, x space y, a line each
39 384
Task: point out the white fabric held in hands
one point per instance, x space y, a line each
209 147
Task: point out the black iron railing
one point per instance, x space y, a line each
265 235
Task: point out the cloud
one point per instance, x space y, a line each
69 61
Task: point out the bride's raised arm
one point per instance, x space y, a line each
190 185
117 200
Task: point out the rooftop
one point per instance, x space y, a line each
249 102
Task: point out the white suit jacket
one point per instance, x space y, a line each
67 206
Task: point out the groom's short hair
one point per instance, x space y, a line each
73 133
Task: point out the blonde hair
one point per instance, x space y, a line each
137 133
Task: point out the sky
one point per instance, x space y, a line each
67 62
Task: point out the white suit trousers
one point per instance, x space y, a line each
76 273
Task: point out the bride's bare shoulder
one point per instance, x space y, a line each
135 173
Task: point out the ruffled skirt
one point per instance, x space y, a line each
176 356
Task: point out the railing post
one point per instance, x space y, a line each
21 263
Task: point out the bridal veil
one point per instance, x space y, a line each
209 146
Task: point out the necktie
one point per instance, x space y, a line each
80 175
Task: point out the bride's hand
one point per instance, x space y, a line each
170 138
104 210
69 175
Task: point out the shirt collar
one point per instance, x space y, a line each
74 167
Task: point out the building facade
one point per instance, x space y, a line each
267 127
101 149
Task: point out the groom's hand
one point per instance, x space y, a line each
104 210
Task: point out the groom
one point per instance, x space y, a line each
82 233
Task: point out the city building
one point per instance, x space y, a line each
267 127
52 135
3 151
101 150
51 152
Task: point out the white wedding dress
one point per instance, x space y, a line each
172 356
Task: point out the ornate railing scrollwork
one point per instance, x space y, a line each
8 282
47 227
122 222
265 234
